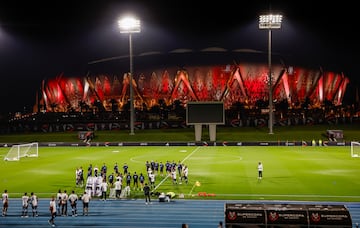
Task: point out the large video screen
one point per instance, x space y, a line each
211 112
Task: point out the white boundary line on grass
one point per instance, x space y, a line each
289 195
163 180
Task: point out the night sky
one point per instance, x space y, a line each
43 40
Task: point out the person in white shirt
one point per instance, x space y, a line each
58 200
104 186
149 171
5 201
173 176
96 171
152 180
81 176
73 198
34 204
86 199
260 170
64 203
117 188
25 205
52 208
78 173
185 174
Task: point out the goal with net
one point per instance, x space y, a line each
22 150
355 149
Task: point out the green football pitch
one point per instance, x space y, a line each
216 172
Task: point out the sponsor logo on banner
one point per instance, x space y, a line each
315 217
273 216
231 215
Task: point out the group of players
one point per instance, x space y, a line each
115 180
171 168
59 204
177 172
29 200
62 199
26 201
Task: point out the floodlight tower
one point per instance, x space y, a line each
269 22
130 25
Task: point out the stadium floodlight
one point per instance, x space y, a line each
130 25
269 22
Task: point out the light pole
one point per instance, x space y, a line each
269 22
130 25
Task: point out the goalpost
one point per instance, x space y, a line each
355 149
22 150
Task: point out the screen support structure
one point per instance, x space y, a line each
205 113
212 132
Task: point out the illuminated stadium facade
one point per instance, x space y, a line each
163 85
244 83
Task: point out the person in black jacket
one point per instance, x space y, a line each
147 193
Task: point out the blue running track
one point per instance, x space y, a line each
136 214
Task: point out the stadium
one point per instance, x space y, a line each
309 169
302 180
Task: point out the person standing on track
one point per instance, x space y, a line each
5 201
147 193
64 203
25 204
86 200
58 199
34 204
73 198
52 208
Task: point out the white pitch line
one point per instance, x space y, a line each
190 193
293 196
187 157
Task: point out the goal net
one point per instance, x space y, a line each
22 150
355 149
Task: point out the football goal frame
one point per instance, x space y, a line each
355 149
22 150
